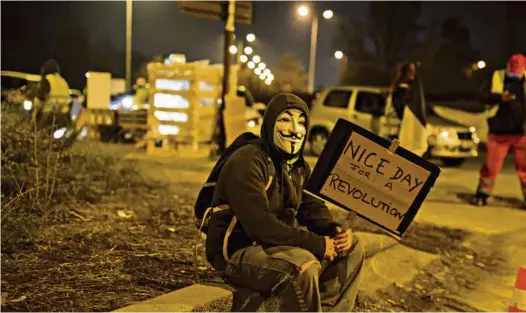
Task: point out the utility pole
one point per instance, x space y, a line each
312 53
129 12
227 61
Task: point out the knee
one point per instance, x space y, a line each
356 254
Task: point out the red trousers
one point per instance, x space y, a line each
498 147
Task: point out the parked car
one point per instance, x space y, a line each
369 107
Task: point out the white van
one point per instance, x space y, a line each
369 107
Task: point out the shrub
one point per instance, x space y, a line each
39 175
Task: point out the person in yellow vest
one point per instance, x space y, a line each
507 128
53 102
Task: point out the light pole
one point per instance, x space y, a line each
129 12
339 55
303 11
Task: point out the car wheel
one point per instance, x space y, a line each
318 141
453 162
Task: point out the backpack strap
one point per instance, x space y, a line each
271 175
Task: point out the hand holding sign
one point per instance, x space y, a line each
358 172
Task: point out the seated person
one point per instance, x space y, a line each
314 269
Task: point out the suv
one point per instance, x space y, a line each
369 108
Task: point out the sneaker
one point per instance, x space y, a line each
479 201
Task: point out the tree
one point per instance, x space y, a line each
448 57
375 47
290 75
514 37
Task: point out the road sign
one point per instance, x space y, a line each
361 172
218 10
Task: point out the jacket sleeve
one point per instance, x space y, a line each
244 179
315 215
490 91
43 90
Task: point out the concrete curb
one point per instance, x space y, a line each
215 296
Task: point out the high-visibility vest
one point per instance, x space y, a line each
58 98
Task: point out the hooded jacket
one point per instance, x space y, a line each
267 218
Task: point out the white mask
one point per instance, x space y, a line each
290 131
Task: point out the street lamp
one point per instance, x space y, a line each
328 14
251 37
232 49
481 64
338 54
248 50
303 11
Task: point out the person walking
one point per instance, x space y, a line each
507 128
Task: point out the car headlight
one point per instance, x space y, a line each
28 104
127 102
59 133
253 122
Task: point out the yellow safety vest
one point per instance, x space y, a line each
497 81
58 98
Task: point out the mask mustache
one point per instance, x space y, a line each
292 135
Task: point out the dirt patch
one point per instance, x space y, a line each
104 257
443 284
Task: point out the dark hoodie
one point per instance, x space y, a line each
268 221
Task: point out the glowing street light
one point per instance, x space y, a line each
243 58
481 64
338 54
262 66
232 49
262 76
257 71
256 59
251 65
251 37
328 14
303 11
248 50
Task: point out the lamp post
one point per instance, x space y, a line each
129 12
303 11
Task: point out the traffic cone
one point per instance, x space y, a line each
518 300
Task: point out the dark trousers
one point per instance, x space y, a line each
301 281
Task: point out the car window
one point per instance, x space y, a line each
371 103
12 82
338 99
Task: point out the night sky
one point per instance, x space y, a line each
31 30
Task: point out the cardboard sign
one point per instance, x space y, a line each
358 172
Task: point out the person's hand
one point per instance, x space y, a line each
330 249
507 96
343 240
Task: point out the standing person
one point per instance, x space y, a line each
310 270
407 98
53 105
507 128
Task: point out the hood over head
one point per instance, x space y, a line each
517 64
279 104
